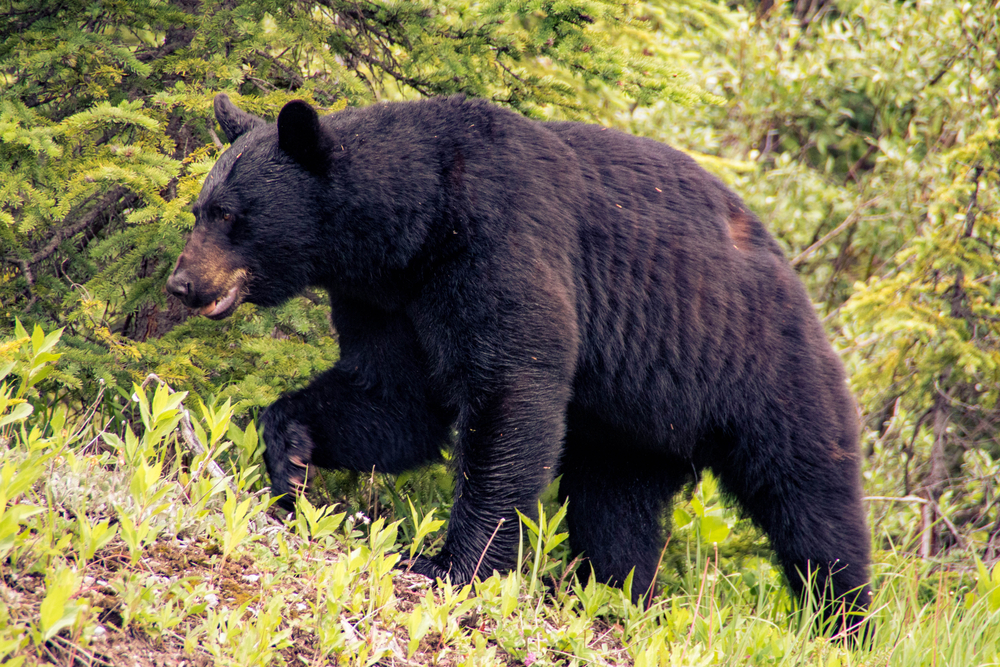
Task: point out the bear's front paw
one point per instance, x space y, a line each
288 455
436 567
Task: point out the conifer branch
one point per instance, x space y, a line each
294 78
68 230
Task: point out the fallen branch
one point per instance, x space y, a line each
929 507
959 540
902 499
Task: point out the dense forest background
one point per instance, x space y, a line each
864 133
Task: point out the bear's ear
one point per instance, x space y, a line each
233 121
301 137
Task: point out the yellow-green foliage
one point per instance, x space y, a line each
106 133
872 138
868 143
116 543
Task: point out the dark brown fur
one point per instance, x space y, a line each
569 299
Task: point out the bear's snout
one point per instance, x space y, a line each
215 295
179 284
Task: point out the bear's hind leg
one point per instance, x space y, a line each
807 499
617 495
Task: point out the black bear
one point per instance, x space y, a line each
567 299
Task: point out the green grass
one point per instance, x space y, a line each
127 548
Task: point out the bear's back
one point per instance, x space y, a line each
664 187
683 300
687 304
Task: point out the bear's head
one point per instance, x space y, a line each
256 236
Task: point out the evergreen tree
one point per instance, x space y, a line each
106 133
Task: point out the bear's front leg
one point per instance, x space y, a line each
372 410
508 451
334 423
502 334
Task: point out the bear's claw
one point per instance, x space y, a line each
434 568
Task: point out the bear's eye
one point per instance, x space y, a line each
226 220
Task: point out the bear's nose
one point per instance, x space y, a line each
179 284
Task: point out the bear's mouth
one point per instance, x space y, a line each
224 305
